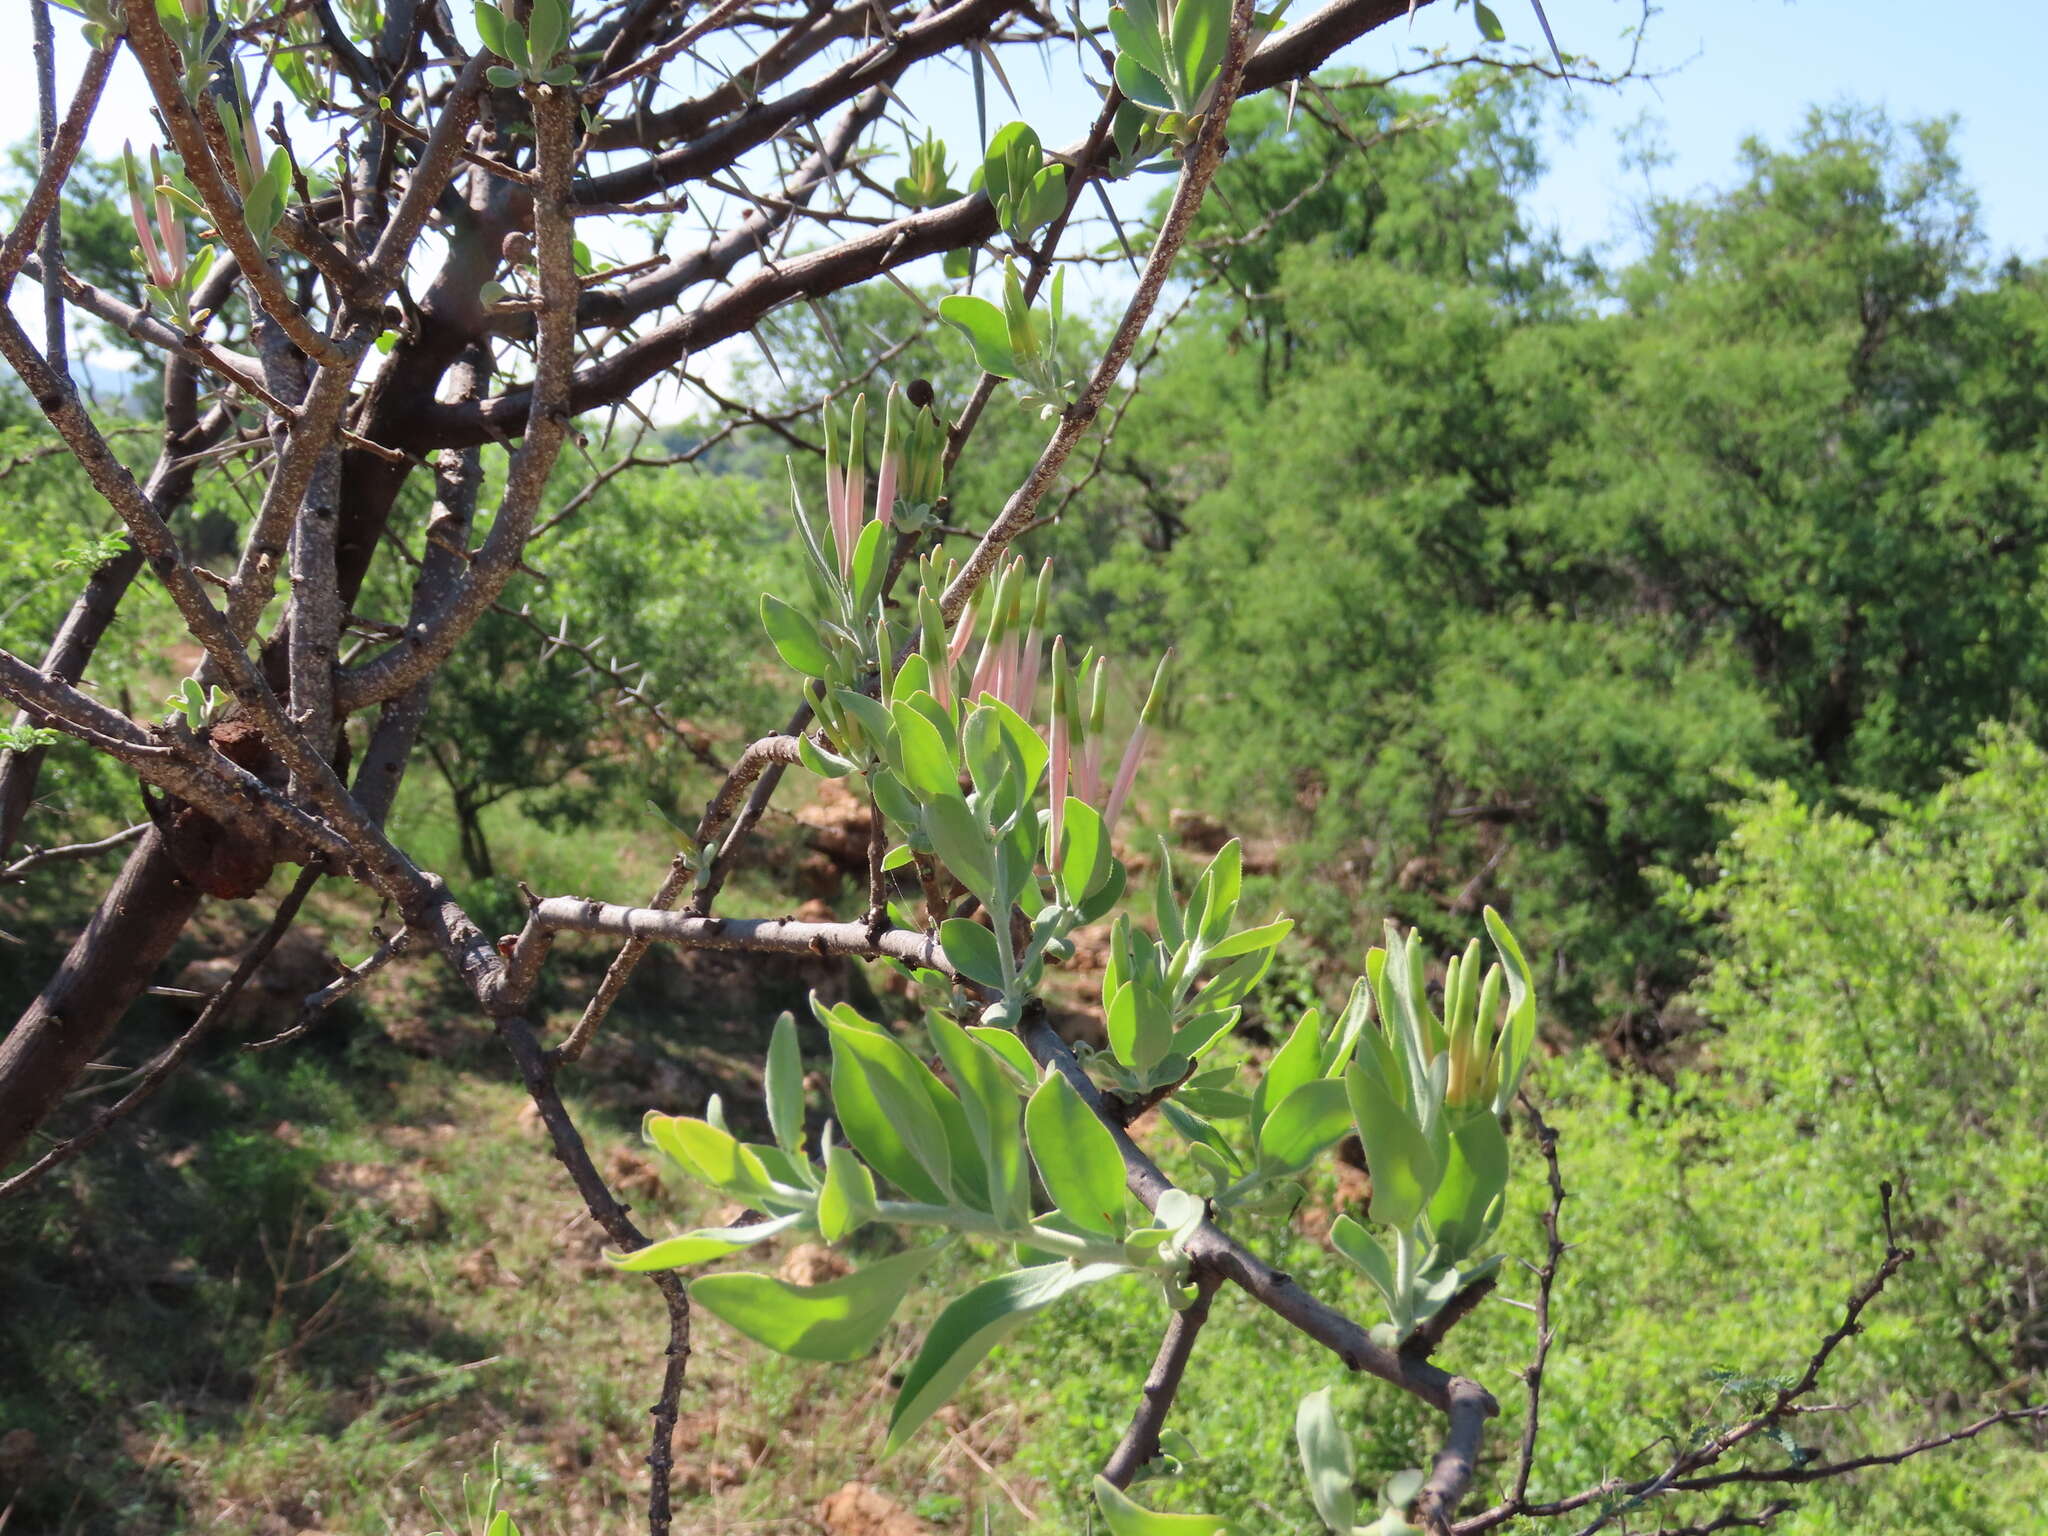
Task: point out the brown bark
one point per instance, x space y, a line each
107 968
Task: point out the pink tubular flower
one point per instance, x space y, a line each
167 217
152 258
1126 775
885 489
836 513
963 634
1127 770
1062 745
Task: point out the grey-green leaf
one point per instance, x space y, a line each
795 638
1306 1121
1327 1461
971 949
1404 1167
700 1246
839 1320
972 1326
784 1086
986 329
847 1202
1076 1156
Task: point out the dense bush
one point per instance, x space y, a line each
1551 556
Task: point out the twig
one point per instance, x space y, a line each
35 858
351 977
1141 1440
1546 1280
54 163
757 759
157 1071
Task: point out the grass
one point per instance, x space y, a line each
312 1291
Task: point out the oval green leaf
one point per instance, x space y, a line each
1327 1461
972 1326
986 329
840 1320
700 1246
1404 1168
847 1202
1076 1156
971 950
1126 1517
784 1085
794 637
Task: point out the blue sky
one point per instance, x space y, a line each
1737 68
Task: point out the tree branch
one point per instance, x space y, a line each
1141 1440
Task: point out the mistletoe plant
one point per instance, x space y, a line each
1016 341
987 1129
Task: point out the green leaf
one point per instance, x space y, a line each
1327 1461
1249 940
1107 895
826 765
973 1325
898 806
872 1131
1404 1167
839 1320
1343 1041
1489 24
1165 906
986 329
784 1086
1201 28
1025 741
547 27
1203 1031
1126 1517
1142 85
1229 985
1137 33
1518 1036
898 1083
700 1246
971 949
1365 1252
927 765
1009 1047
963 846
708 1154
795 638
1140 1025
990 1100
1308 1120
875 722
870 565
847 1202
1225 878
1299 1060
515 47
1475 1174
1217 1103
490 27
502 77
1013 144
1084 861
1076 1156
